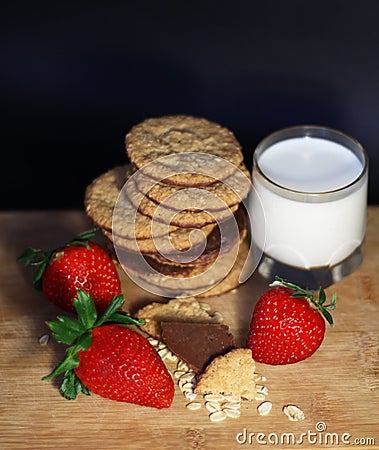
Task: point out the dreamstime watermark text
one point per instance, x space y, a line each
319 436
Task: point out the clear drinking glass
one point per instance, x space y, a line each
308 204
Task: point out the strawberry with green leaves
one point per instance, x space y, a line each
288 323
79 264
109 359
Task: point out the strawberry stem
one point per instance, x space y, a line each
78 334
309 295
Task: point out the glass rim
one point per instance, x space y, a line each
308 131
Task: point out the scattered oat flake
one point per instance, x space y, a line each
187 386
153 342
231 405
264 408
261 389
293 412
257 377
218 317
163 352
193 406
44 339
213 406
182 366
232 413
187 376
217 416
179 373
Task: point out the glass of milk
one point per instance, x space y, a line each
308 204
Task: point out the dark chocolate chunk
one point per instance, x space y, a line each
197 343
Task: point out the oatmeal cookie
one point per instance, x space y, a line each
229 192
200 151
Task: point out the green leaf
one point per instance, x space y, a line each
333 303
298 295
66 330
70 362
83 343
295 287
85 390
327 316
32 256
112 314
113 306
71 386
321 296
35 257
85 307
72 324
37 278
73 243
124 318
85 235
82 238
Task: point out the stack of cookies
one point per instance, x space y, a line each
175 215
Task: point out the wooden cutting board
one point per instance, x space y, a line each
337 388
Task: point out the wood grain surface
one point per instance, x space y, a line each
337 387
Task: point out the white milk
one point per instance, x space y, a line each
307 229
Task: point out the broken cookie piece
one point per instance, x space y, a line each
230 374
197 343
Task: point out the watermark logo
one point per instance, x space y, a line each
319 436
177 257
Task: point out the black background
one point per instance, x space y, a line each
75 77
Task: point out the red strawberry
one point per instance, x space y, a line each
79 264
110 360
288 324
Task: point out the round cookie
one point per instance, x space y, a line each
138 266
200 244
183 219
101 197
207 145
231 191
183 287
178 240
178 268
130 226
178 281
213 245
230 282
